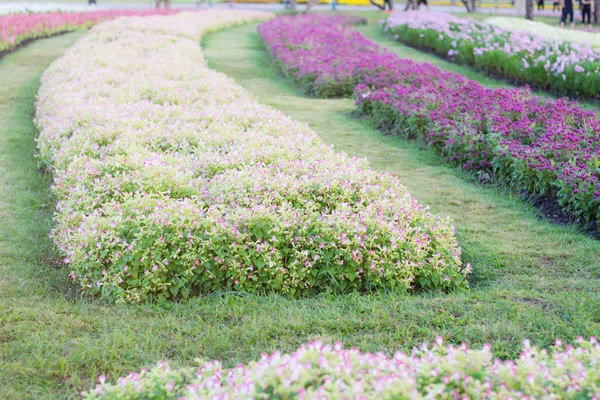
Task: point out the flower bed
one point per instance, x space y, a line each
326 58
306 49
317 371
172 180
547 147
559 67
18 28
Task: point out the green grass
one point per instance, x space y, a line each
532 280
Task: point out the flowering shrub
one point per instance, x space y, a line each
172 180
18 28
324 56
560 67
317 371
306 48
545 30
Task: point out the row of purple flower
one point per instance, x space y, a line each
548 147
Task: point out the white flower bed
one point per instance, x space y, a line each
172 180
545 30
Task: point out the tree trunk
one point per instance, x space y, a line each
529 9
596 11
473 6
467 5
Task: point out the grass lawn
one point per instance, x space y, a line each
531 280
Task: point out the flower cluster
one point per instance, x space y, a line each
18 28
324 56
308 50
318 371
560 67
545 30
172 180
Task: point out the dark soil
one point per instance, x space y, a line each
550 210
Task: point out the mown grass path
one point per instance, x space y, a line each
532 280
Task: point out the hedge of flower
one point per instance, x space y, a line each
543 29
560 67
317 371
18 28
171 180
325 57
306 47
548 147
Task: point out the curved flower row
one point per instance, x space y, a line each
548 147
306 49
327 59
324 56
557 66
172 180
317 371
18 28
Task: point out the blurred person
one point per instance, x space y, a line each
388 3
555 6
567 12
587 9
540 5
419 2
166 3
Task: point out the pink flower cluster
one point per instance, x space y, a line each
172 180
318 371
18 28
558 66
307 49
